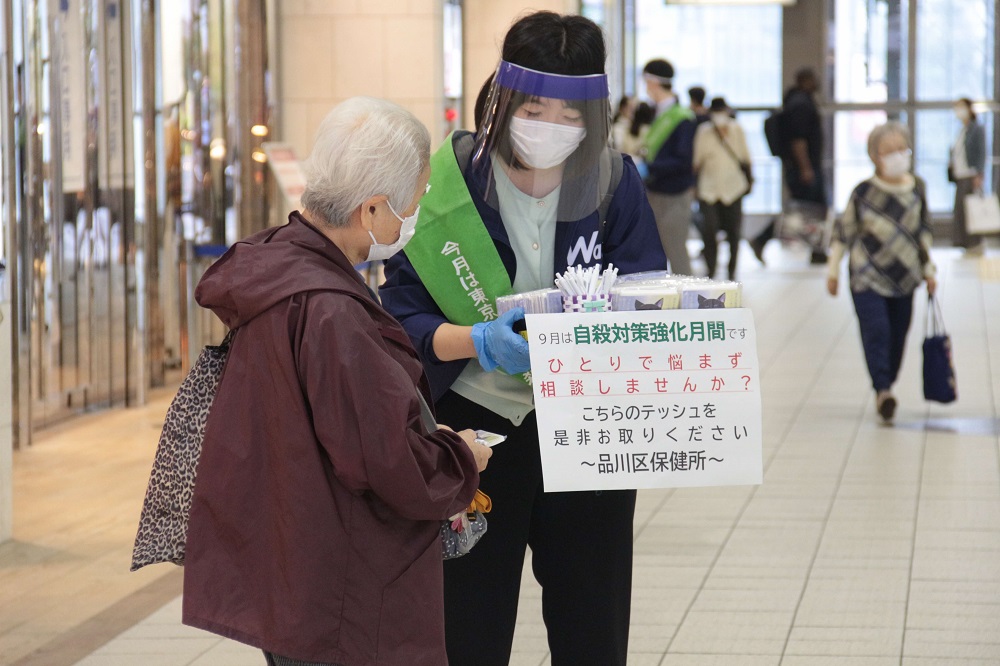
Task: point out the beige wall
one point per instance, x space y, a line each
329 50
486 23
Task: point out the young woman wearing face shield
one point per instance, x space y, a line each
511 205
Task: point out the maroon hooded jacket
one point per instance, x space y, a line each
314 526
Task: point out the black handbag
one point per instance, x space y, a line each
162 534
939 371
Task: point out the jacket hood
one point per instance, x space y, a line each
272 265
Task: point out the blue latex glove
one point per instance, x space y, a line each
642 168
497 345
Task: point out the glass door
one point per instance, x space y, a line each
732 52
909 60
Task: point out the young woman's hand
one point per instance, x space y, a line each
498 346
831 285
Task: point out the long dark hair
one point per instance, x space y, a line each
968 104
555 44
644 115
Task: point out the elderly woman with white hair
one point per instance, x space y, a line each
885 230
314 528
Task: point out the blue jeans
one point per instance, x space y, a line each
884 322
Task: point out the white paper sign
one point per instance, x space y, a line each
72 95
647 399
114 95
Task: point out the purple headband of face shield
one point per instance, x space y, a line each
559 86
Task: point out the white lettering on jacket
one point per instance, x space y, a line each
591 251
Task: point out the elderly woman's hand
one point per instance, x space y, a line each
480 451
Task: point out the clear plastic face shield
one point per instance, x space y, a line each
544 132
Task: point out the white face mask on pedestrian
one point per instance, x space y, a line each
720 119
897 164
543 145
379 251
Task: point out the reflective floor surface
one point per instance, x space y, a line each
866 545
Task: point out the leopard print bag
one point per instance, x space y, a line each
162 532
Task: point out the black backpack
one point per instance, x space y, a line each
773 132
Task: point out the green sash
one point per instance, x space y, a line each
451 250
663 127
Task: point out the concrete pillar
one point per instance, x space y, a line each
486 23
6 424
7 235
330 50
803 42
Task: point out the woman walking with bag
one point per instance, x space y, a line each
885 230
722 165
965 168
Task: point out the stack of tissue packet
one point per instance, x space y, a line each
540 301
659 290
649 290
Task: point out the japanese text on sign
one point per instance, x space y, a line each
646 399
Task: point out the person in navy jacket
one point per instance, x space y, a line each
669 150
535 190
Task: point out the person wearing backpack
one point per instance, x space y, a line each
800 144
669 150
536 189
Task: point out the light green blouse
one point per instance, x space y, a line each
531 227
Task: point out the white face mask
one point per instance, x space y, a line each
720 119
379 251
543 145
896 164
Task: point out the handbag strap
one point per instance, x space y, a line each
228 340
725 145
934 319
426 415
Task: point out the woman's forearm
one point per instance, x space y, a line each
452 342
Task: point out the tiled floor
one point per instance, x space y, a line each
865 545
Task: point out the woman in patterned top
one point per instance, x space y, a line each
885 231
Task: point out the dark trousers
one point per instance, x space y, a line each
721 217
581 554
884 322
